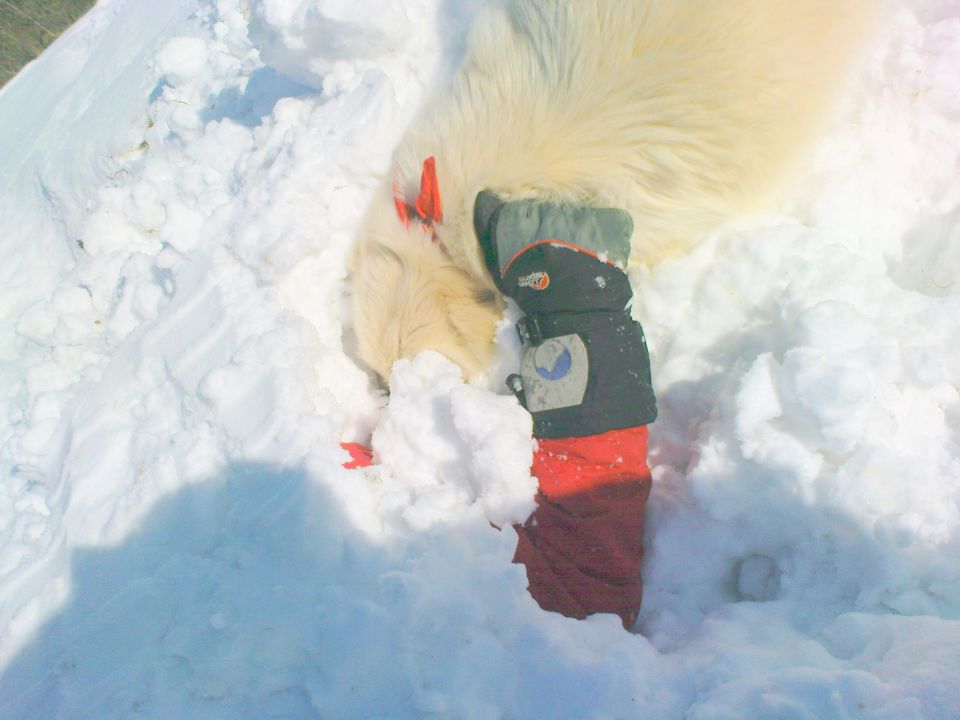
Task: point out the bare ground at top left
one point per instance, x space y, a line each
27 27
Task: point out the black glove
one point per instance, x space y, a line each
585 368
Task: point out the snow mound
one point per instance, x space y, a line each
444 445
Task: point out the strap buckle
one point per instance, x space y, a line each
528 329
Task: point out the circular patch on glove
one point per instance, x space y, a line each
553 361
555 373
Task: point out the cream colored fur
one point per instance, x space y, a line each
682 112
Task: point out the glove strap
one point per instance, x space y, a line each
583 373
533 329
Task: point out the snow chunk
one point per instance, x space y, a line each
182 59
329 44
445 445
108 231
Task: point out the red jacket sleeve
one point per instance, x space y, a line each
583 545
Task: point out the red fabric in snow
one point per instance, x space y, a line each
583 545
360 455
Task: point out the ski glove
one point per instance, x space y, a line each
585 367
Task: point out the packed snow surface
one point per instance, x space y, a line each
180 183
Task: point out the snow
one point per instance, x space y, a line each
179 186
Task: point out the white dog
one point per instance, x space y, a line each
682 112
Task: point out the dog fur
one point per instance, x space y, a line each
682 112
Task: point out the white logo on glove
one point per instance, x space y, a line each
538 280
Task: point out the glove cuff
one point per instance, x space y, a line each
519 241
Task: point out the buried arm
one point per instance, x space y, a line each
585 378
